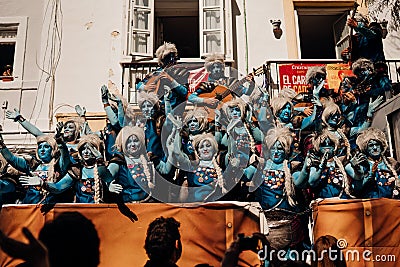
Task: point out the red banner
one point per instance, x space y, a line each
294 75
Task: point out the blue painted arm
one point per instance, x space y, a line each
121 114
18 163
64 184
32 129
195 99
112 117
310 119
6 187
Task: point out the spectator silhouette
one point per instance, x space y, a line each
69 240
163 243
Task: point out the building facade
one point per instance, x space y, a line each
63 51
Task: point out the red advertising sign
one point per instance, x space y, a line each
293 76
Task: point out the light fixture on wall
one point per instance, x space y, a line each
276 28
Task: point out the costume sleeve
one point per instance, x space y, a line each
121 114
63 184
18 163
367 32
112 117
195 99
179 89
257 134
65 158
310 119
315 175
113 168
6 186
104 174
164 167
249 172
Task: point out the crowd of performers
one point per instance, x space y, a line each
228 139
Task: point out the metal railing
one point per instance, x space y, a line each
138 71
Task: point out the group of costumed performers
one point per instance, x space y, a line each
227 139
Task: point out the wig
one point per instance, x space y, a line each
277 103
330 108
164 50
92 139
287 92
125 133
200 115
150 97
213 58
281 134
313 71
320 138
371 134
361 63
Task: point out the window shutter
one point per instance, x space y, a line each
342 34
212 27
141 28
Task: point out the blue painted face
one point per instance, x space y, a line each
374 149
147 109
327 146
235 113
132 145
277 153
285 113
86 154
44 152
193 125
319 77
334 119
217 71
365 73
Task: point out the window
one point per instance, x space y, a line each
12 47
197 27
321 28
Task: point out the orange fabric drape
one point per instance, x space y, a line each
364 224
204 230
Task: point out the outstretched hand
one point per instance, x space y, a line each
59 128
12 115
373 105
115 188
34 253
104 94
80 111
30 180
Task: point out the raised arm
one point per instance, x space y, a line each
18 163
56 188
17 117
112 117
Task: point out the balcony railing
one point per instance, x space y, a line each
135 72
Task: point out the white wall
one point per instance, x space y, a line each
262 44
90 53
